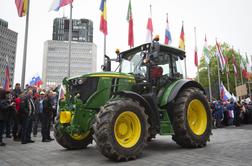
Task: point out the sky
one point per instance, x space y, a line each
227 20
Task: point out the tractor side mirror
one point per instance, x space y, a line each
107 64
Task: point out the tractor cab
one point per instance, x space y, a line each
150 60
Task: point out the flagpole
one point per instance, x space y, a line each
240 67
235 67
69 41
151 17
235 80
104 49
196 52
218 68
227 79
209 83
25 46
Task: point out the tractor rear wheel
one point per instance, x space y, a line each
72 141
121 130
191 119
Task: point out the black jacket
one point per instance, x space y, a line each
27 107
3 109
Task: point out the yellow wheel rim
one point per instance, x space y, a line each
127 129
197 117
79 136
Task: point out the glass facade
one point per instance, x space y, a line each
82 30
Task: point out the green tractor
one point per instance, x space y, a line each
121 111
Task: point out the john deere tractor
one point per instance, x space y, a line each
123 110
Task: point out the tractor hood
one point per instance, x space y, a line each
106 74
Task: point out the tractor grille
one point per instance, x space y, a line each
85 89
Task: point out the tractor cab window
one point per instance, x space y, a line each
163 60
134 65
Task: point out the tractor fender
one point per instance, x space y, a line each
150 110
172 91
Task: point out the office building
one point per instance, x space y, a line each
8 46
82 30
55 60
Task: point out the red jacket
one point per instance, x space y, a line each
18 101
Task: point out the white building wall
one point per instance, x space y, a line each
55 61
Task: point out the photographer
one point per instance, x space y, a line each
4 106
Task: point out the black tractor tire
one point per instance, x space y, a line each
185 135
108 134
66 141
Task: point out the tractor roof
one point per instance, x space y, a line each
163 48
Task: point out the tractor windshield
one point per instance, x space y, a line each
134 65
170 64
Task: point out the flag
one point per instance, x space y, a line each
182 38
36 80
6 85
248 67
103 20
57 4
130 20
206 52
225 94
243 67
234 64
61 96
22 7
196 56
168 38
220 56
149 28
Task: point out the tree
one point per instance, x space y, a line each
203 71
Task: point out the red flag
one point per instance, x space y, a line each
103 21
195 57
149 28
131 32
7 78
65 2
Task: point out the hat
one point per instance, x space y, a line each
42 93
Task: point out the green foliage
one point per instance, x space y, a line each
203 69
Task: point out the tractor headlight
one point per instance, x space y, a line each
65 117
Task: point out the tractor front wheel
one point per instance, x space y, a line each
72 141
121 130
191 119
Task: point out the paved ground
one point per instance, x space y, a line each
228 147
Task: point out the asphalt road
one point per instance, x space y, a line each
231 146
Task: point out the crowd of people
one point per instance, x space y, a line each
21 112
231 112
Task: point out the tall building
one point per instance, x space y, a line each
8 46
55 60
83 51
82 29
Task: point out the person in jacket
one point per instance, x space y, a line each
38 117
27 108
47 117
237 111
4 106
218 114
